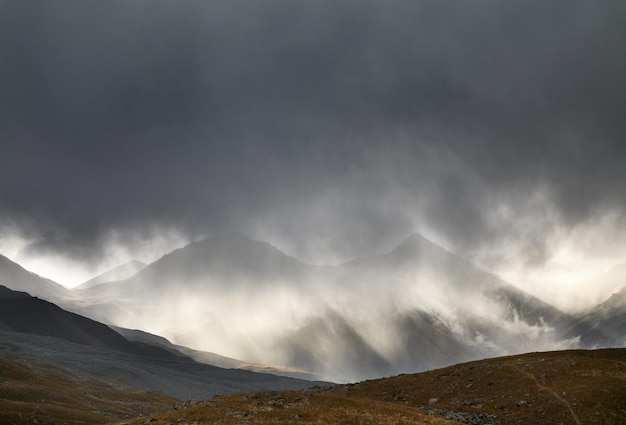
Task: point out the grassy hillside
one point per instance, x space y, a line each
35 394
293 407
570 387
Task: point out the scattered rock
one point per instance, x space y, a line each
280 403
433 400
461 416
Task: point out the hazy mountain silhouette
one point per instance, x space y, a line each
140 337
605 325
124 271
15 277
217 263
331 346
415 307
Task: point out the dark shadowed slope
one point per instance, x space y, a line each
32 315
88 349
180 378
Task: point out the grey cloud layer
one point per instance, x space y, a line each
339 123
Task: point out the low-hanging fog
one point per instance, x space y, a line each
412 308
330 129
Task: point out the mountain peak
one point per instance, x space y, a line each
416 238
225 257
227 238
417 244
120 272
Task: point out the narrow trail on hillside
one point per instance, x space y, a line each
543 387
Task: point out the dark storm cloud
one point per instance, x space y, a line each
349 122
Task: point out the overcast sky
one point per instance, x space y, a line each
330 128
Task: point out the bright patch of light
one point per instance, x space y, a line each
119 248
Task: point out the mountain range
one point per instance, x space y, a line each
416 307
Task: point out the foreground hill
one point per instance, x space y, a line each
568 387
33 393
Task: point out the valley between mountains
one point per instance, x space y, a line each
231 315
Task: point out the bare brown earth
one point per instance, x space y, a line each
569 387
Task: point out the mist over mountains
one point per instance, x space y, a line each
414 308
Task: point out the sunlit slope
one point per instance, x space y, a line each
15 277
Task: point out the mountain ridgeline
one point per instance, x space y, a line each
414 308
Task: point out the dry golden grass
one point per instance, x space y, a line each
570 387
36 394
293 407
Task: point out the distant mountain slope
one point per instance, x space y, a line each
212 264
422 269
124 271
606 323
415 307
15 277
213 359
